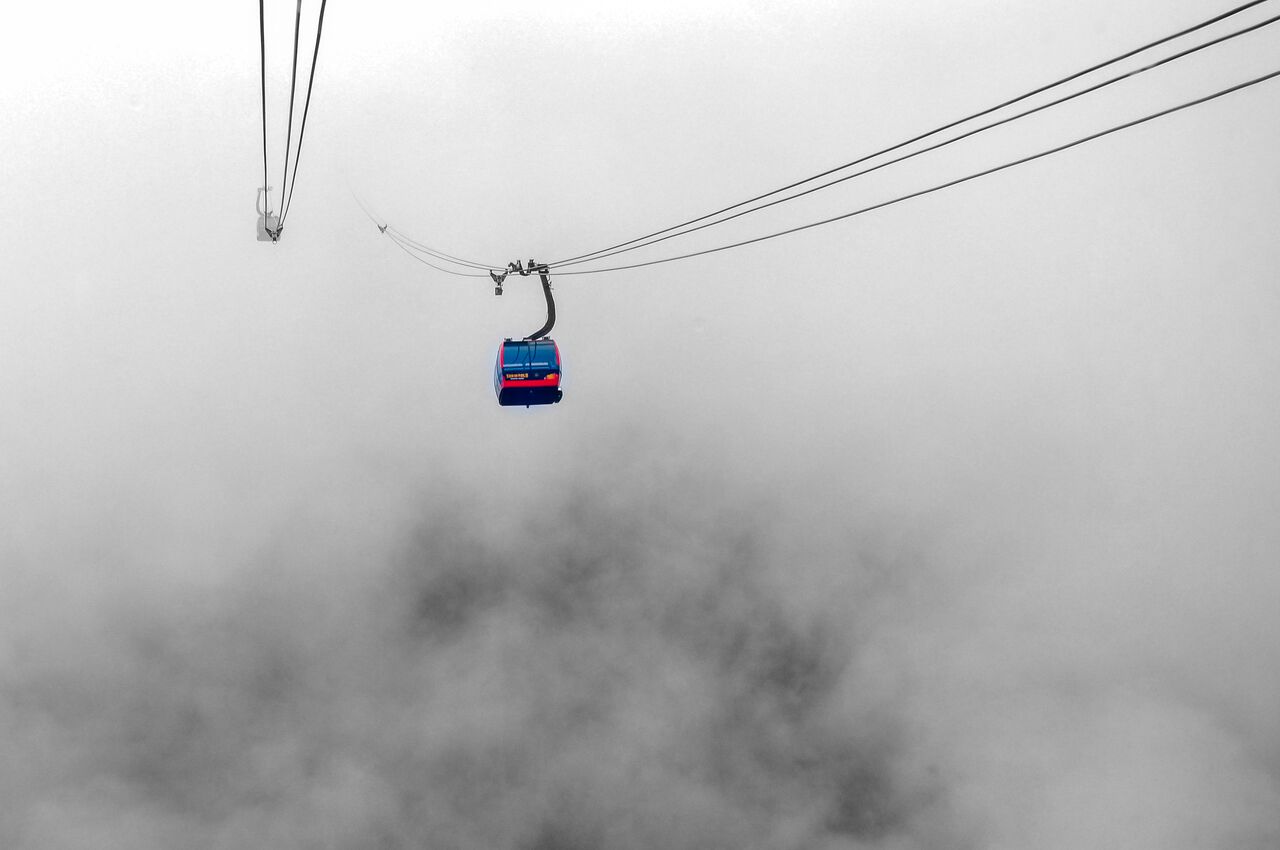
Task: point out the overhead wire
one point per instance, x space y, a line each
610 250
262 41
293 85
287 185
404 248
306 106
400 241
413 247
1128 74
440 254
939 187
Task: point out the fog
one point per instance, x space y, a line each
951 526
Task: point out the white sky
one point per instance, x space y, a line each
1068 371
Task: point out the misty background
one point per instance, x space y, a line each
950 525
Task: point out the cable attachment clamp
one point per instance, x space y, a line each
498 279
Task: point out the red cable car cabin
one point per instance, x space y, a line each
527 372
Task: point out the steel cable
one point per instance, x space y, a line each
407 244
262 40
306 106
933 147
426 249
402 247
293 86
1220 17
1125 126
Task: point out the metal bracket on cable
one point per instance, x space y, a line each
543 271
497 280
519 268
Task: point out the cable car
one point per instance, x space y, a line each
527 372
267 225
268 221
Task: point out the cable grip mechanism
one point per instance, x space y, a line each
519 268
544 272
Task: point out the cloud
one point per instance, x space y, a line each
660 656
612 670
976 551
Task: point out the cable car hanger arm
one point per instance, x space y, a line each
544 272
